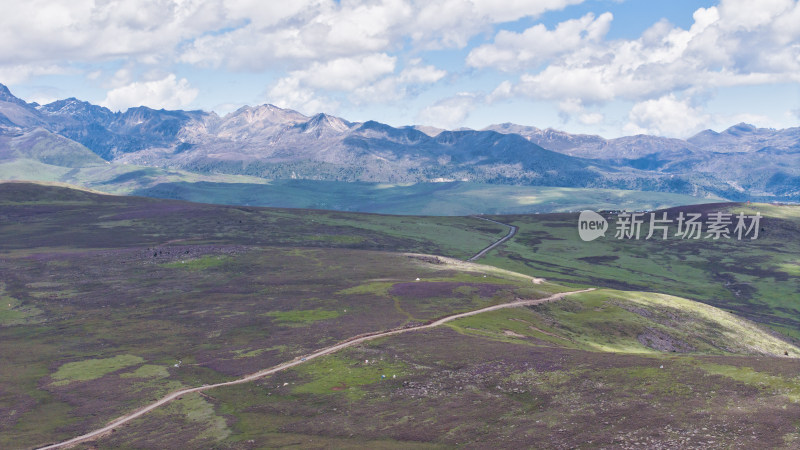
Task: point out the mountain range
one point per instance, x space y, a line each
268 142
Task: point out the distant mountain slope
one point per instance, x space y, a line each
266 141
43 146
742 162
273 143
745 138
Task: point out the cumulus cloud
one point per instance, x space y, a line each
736 43
288 93
748 15
450 112
503 91
366 79
515 9
512 50
330 51
45 31
327 51
320 31
15 73
398 86
452 23
415 72
592 118
346 74
326 29
167 93
666 116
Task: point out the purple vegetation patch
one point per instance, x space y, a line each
154 210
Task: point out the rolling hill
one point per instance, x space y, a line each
111 302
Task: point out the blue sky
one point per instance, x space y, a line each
609 67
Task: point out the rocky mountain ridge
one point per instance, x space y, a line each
742 162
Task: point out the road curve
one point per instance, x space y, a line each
300 360
512 230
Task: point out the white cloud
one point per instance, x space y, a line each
264 14
515 9
346 74
168 93
326 51
785 25
329 51
591 118
122 77
571 105
46 31
503 91
304 90
287 93
450 112
16 73
666 116
451 23
397 87
718 50
749 15
590 84
325 29
365 79
512 50
737 43
415 72
321 31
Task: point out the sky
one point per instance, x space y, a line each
607 67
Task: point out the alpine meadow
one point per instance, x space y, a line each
545 224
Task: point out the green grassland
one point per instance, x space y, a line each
436 199
112 302
38 217
433 199
631 322
91 369
99 320
752 278
136 329
444 388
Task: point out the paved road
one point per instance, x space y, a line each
512 230
301 360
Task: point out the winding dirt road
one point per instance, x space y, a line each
512 230
303 359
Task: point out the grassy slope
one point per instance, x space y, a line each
426 198
565 374
100 306
448 199
49 150
753 278
109 307
52 217
114 324
632 322
106 177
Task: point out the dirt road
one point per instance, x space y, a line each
512 230
301 360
